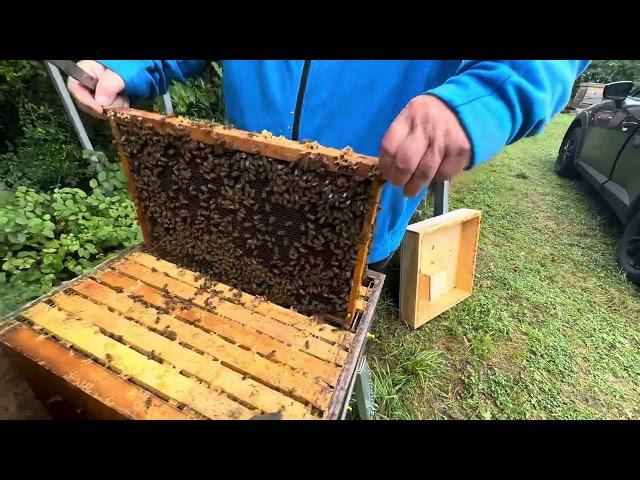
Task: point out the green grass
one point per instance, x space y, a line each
552 328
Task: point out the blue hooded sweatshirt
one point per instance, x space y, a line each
341 103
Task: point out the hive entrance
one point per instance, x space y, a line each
268 216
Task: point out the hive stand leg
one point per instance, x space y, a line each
440 198
165 101
69 106
362 388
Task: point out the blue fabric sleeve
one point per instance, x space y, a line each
501 101
150 78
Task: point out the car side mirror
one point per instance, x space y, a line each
617 91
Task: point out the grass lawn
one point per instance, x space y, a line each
552 329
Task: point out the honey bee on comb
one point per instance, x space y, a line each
292 231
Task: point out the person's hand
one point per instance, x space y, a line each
109 90
424 143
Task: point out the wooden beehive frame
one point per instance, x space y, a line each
80 336
438 259
345 161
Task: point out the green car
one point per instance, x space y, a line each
603 145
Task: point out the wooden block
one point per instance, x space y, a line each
433 283
203 367
232 331
438 258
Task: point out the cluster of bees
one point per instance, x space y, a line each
287 231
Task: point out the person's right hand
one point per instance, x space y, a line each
109 90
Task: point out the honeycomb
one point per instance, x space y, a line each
291 231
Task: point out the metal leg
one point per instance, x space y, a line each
68 105
165 101
440 198
362 390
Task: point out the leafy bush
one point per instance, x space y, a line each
199 97
47 238
606 71
38 147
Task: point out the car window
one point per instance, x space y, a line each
635 94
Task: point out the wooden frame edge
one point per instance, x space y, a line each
346 161
106 397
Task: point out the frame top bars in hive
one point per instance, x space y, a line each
270 216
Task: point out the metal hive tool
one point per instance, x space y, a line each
271 217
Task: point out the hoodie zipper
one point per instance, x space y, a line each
301 89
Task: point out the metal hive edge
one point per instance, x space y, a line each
343 389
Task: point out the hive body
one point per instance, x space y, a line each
142 338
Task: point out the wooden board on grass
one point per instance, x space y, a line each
438 259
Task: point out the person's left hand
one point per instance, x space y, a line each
424 143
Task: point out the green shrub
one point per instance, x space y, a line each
38 147
199 97
606 71
48 238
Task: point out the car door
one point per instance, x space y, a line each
623 188
604 139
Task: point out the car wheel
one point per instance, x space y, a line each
566 162
629 249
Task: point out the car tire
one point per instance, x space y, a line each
629 249
565 165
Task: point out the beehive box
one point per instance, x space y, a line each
141 338
272 217
437 266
